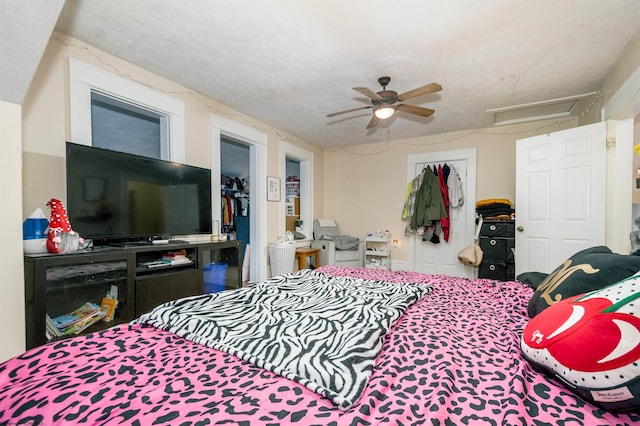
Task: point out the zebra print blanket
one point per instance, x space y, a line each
322 331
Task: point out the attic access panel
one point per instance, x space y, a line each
556 108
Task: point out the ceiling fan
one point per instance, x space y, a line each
384 102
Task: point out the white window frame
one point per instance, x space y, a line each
85 78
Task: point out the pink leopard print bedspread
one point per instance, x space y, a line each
453 359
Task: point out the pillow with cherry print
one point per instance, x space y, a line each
591 343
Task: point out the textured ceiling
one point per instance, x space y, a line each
25 27
289 63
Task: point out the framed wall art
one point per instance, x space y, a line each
273 188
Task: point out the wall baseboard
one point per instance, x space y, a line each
399 266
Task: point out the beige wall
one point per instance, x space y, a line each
12 299
373 177
46 125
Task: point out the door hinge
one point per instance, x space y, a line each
611 142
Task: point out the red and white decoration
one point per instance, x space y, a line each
60 237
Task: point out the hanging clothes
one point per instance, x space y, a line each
406 201
444 221
225 211
456 191
429 206
445 171
409 205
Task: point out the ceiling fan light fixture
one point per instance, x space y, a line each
384 111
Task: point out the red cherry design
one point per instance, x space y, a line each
582 337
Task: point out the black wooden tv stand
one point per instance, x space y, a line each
56 284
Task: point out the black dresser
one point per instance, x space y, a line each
497 241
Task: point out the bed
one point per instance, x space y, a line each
443 351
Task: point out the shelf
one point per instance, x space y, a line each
65 272
377 251
143 270
376 266
58 283
374 239
67 285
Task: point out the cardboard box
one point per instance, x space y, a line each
291 223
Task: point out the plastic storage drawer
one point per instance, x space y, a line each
497 229
494 248
493 269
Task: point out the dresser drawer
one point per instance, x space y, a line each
493 269
496 248
498 229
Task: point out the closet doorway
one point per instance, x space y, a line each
256 141
235 190
298 162
441 257
293 222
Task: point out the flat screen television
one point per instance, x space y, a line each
116 197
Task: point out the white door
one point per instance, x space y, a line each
560 196
442 258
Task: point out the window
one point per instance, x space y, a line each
95 91
122 126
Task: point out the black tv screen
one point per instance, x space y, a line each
114 196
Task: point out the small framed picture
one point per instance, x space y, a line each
273 188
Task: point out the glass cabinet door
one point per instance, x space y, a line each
70 286
73 296
222 266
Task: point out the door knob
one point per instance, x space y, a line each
520 228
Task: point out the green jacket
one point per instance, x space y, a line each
428 204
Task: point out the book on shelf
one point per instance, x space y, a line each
165 262
109 306
75 321
110 303
178 261
153 263
177 257
51 330
177 254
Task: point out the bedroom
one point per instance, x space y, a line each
42 117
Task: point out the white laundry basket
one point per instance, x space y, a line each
282 257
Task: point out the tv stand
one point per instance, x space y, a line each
56 284
146 243
129 244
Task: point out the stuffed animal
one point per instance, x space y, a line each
60 237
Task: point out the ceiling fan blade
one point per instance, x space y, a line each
349 110
429 88
425 112
369 93
373 123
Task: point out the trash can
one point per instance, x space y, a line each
282 257
215 277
